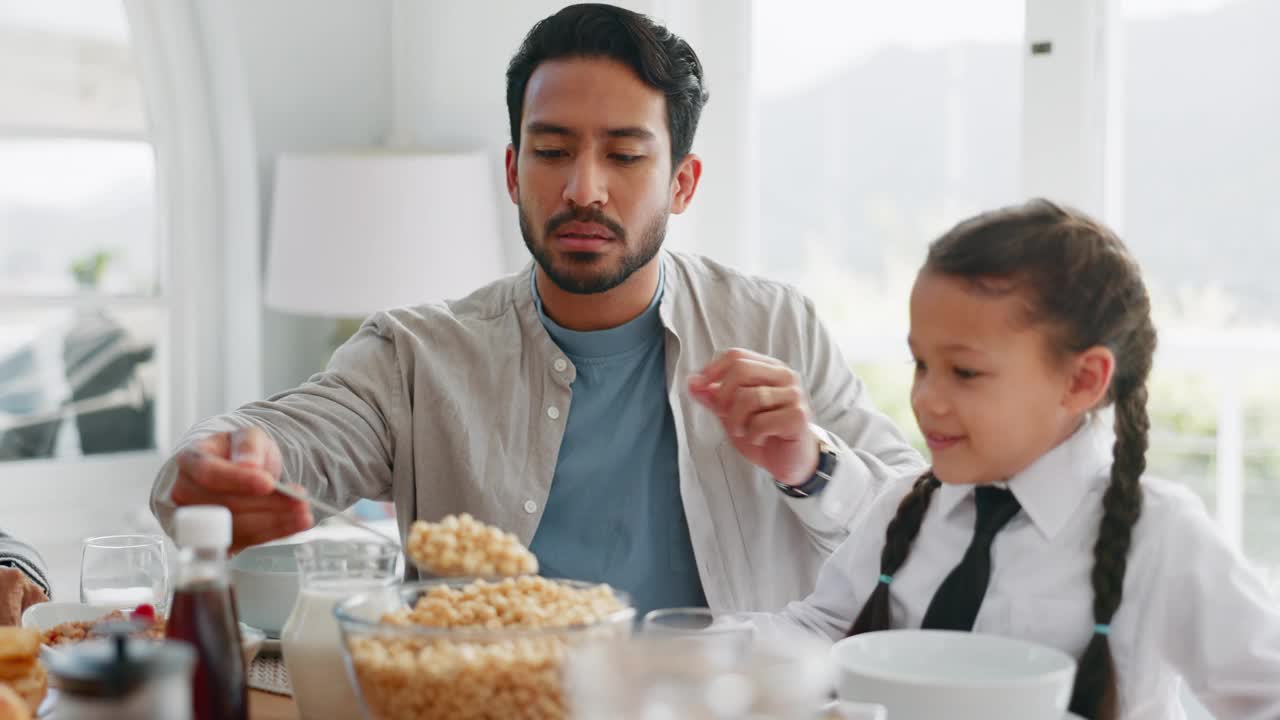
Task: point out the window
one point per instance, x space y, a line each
1198 177
883 124
878 132
82 302
117 216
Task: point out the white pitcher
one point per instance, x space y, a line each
329 572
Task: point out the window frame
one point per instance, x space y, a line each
207 208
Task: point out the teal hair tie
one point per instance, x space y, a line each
886 579
1103 630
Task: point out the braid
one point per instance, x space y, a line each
1095 690
900 535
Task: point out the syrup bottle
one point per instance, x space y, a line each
203 614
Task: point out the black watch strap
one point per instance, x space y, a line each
816 482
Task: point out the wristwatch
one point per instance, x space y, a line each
827 456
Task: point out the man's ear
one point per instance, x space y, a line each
684 182
513 177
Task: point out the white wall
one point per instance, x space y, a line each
721 223
317 77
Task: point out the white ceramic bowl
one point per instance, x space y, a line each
265 578
930 674
45 615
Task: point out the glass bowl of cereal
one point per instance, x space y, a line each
464 648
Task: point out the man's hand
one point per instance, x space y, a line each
764 410
17 593
239 470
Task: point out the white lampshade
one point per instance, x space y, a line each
356 233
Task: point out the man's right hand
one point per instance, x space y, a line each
239 470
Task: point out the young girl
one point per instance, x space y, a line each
1024 323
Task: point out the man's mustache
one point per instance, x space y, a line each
590 214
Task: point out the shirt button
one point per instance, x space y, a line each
553 412
530 506
560 365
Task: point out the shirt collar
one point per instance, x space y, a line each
666 305
639 331
1051 488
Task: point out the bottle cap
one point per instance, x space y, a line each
203 526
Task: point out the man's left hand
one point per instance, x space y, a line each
764 410
17 593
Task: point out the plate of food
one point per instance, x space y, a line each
64 623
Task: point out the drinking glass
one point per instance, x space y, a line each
699 628
691 664
124 571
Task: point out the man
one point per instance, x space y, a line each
555 403
24 581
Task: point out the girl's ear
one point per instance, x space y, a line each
1090 376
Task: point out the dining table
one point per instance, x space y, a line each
265 705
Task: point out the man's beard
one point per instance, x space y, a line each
651 240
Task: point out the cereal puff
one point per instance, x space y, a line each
461 546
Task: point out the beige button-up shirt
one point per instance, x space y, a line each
460 407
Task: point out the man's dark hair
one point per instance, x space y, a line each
660 58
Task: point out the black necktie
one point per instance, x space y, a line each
955 605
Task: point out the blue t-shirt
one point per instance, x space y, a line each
614 514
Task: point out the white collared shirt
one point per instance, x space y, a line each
1192 611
